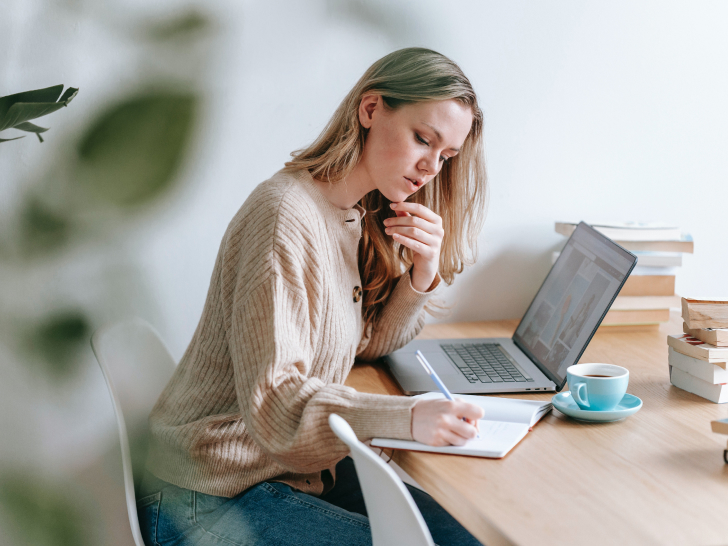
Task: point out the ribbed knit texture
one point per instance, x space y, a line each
250 399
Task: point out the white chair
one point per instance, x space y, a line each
137 366
393 515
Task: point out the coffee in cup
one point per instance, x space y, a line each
597 387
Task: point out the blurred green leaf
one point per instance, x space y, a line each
132 151
58 340
41 513
181 26
42 229
16 110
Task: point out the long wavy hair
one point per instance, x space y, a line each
457 194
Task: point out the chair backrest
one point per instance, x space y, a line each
136 366
393 515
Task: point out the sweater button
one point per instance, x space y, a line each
357 294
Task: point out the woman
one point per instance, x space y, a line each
336 256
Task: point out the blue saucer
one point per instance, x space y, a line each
627 406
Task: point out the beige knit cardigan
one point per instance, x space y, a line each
279 332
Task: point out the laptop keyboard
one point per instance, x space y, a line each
485 363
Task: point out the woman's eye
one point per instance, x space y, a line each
421 140
443 158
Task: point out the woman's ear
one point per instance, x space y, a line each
367 106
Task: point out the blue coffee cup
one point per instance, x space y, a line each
597 387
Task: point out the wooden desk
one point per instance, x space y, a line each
657 477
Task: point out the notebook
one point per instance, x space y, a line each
508 421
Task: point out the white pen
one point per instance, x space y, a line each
440 385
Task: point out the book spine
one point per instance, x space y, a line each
658 246
636 316
701 369
685 381
649 285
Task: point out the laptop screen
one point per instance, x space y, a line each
573 300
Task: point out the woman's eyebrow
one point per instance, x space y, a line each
439 136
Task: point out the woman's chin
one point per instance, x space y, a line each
396 196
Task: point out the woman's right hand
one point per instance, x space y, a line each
440 422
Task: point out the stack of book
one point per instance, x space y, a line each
698 358
720 426
649 293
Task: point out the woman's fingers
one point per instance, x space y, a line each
431 223
413 233
426 251
416 209
440 422
468 410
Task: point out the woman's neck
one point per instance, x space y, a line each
348 192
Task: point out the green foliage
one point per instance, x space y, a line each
132 150
17 110
182 26
41 512
58 340
41 228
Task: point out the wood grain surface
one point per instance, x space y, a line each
657 477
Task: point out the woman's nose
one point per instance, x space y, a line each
429 164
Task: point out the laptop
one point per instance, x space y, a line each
552 335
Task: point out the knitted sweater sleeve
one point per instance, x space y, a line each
401 320
285 402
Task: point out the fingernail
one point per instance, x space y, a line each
393 205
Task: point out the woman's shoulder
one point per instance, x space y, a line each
283 202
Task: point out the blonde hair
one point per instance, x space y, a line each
457 194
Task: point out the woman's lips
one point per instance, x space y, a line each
412 184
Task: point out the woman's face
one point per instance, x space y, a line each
407 147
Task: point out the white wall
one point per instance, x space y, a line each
593 110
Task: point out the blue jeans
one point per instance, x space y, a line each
273 513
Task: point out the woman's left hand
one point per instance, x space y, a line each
420 230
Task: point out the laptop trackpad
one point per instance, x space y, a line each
442 365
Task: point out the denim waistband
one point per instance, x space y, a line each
150 484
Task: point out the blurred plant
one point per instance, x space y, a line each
41 511
181 26
17 110
70 218
131 152
58 340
